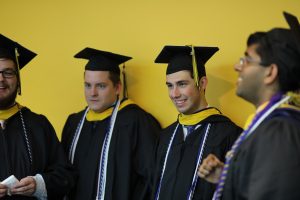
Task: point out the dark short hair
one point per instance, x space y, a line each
278 46
114 77
264 49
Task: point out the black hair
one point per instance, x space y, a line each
114 77
278 46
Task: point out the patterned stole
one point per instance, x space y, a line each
274 103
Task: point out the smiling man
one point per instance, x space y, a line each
110 142
29 148
264 161
200 129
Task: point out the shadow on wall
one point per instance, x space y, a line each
217 88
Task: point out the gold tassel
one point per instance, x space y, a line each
195 69
18 68
294 98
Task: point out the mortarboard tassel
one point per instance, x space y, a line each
195 69
18 70
125 92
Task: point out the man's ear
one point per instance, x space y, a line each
203 83
271 74
118 88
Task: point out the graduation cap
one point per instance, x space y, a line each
102 60
16 52
12 50
284 45
186 58
294 26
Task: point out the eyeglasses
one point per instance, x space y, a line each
247 60
8 73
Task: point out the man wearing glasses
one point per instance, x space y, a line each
264 161
33 164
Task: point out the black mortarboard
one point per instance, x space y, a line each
180 58
294 26
285 50
102 60
16 52
8 49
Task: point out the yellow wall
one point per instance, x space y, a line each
57 29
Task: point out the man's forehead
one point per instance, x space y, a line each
6 59
183 75
97 76
251 50
92 72
6 62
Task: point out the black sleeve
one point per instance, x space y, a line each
147 131
59 175
275 171
67 134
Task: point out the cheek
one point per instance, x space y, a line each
86 92
190 91
86 95
194 95
170 92
13 85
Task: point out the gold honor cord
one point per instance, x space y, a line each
195 69
294 98
18 68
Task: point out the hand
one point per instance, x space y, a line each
26 187
3 190
211 169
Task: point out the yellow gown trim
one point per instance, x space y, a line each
5 114
293 103
94 116
197 117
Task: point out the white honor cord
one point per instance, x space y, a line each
194 182
165 162
105 151
75 140
191 191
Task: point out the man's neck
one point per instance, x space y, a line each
265 97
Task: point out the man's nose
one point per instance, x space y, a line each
238 67
175 92
93 91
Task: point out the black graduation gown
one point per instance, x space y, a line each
49 159
267 164
182 159
129 164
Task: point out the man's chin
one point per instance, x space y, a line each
4 104
238 92
181 110
95 109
